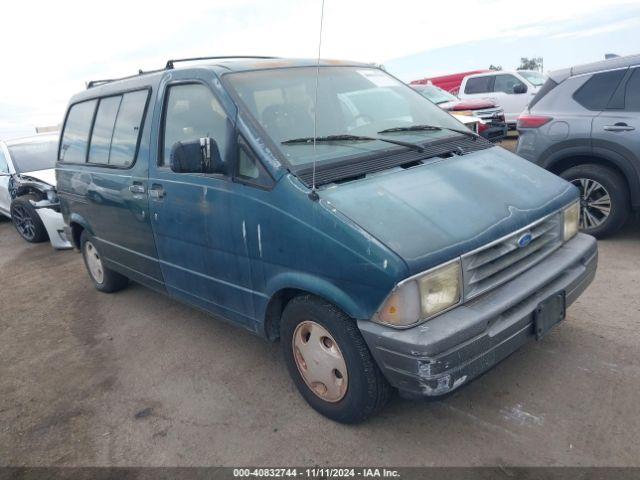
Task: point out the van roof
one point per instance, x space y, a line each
611 64
222 65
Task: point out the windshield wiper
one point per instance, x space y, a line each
420 128
350 138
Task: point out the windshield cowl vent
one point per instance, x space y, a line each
351 168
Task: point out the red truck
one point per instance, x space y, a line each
450 83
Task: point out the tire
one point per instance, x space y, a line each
27 221
600 181
363 388
104 279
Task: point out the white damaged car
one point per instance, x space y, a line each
28 189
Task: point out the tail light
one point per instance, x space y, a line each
532 121
482 127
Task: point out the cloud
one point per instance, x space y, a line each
590 32
49 49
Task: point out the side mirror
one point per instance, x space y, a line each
196 156
519 88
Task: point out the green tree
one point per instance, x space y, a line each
533 63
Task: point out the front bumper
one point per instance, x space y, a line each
54 225
442 354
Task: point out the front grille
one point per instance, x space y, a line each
500 261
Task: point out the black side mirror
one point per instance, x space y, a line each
519 88
196 156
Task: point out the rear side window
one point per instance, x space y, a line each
73 148
596 92
103 130
116 131
546 88
126 133
479 84
632 92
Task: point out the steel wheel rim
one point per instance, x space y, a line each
320 361
94 263
595 203
23 222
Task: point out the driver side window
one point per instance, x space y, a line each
192 112
506 83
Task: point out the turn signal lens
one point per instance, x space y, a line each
402 307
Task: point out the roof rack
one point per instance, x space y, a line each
170 63
96 83
170 66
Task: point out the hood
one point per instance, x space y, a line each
467 104
47 176
440 210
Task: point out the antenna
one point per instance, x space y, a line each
314 195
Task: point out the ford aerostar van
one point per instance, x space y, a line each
385 245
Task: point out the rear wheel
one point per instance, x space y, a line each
104 279
604 198
27 221
329 361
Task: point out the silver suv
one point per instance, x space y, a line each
584 125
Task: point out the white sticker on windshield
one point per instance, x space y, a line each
378 78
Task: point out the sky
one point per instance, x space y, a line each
50 49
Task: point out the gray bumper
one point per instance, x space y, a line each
440 355
54 225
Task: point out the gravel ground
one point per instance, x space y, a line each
135 378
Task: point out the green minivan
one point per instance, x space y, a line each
327 205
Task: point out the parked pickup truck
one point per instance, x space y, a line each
385 245
491 124
511 90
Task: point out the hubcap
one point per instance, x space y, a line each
595 203
94 262
320 361
23 222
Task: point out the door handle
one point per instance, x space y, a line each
156 191
618 127
137 188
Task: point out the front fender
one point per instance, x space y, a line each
317 286
79 220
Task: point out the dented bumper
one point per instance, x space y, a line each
442 354
53 223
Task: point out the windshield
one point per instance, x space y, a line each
535 78
435 94
351 100
35 155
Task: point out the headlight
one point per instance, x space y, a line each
571 220
52 196
423 297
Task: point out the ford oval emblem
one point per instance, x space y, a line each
524 240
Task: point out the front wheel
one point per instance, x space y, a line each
329 361
27 221
104 279
604 198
